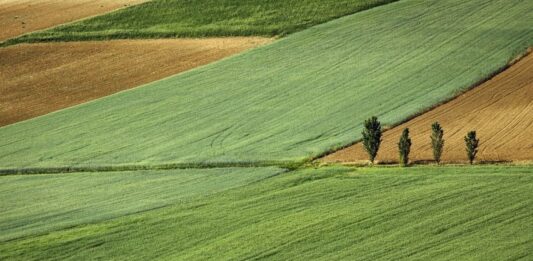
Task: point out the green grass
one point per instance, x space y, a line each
38 204
421 213
204 18
296 98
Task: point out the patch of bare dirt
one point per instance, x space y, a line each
18 17
500 110
40 78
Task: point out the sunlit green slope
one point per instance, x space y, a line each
204 18
421 213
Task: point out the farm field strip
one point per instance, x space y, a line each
500 110
39 204
205 18
428 213
294 99
42 78
18 17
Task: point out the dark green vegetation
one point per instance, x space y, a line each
472 144
372 137
294 99
423 213
404 147
203 18
437 141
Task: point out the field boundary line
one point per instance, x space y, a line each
287 165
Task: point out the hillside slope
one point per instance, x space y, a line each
296 98
422 213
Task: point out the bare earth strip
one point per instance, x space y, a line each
500 110
41 78
22 16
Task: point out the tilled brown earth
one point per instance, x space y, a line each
40 78
500 110
22 16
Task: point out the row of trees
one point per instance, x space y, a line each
372 140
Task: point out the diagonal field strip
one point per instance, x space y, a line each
203 18
22 16
67 74
39 204
291 100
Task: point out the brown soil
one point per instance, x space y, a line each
22 16
500 110
40 78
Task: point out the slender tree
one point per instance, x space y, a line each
372 137
404 147
472 144
437 141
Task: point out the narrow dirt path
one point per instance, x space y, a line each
500 110
22 16
41 78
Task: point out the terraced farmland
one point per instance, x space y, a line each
426 213
294 99
500 110
205 18
22 16
67 74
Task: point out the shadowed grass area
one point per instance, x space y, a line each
204 18
424 213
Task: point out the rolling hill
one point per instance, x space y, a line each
294 99
426 213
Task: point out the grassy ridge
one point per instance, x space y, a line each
296 98
423 213
204 18
38 204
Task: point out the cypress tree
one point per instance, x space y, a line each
404 147
471 143
437 141
372 137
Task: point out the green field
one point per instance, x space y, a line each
294 99
38 204
205 18
422 213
